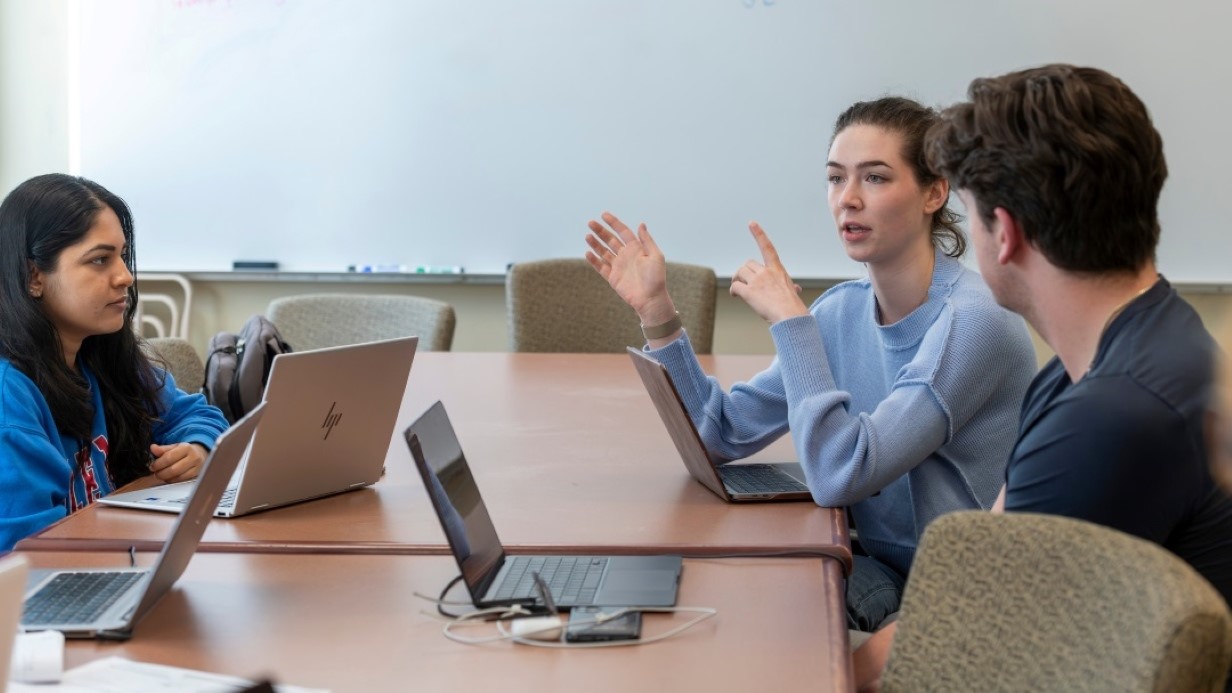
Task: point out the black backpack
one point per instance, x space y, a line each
237 367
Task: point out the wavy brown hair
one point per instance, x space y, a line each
1070 152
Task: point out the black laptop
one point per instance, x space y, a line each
495 579
738 483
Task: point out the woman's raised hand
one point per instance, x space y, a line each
765 285
633 265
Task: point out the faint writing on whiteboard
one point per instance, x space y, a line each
754 3
185 4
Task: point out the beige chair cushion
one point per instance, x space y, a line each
1025 602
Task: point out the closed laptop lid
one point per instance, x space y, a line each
676 418
455 497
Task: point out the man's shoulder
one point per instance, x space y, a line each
1165 352
1100 433
1105 410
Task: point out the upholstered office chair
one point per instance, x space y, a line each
563 305
314 321
1025 602
180 359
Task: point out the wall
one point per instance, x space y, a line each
34 139
33 89
483 132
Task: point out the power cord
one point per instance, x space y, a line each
526 637
523 639
441 602
534 635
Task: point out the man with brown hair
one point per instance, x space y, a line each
1061 169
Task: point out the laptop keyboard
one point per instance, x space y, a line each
226 500
572 579
759 478
76 597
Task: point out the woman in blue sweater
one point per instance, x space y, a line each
82 409
901 390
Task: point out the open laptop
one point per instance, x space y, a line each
328 426
107 603
737 483
12 586
495 579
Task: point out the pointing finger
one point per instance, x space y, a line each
768 253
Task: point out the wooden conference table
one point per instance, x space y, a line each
567 450
351 623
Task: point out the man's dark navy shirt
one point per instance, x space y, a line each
1124 446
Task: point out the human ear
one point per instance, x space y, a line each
1008 235
936 195
36 282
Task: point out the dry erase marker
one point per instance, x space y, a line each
376 268
438 269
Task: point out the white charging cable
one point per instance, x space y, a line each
548 631
702 612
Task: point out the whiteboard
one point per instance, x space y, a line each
478 133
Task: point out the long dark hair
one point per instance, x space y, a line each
911 120
38 220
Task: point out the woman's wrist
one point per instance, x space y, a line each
657 313
662 330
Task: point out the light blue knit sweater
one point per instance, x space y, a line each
902 423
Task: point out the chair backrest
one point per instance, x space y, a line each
181 359
316 321
563 305
1025 602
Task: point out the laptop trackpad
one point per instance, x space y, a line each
170 493
638 587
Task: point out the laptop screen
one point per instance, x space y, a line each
12 585
448 481
189 528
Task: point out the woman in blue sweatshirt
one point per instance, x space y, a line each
82 409
901 390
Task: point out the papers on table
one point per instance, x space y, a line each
119 675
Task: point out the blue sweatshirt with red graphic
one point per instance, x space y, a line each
45 475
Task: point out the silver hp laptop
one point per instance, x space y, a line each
737 483
107 603
330 420
495 579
